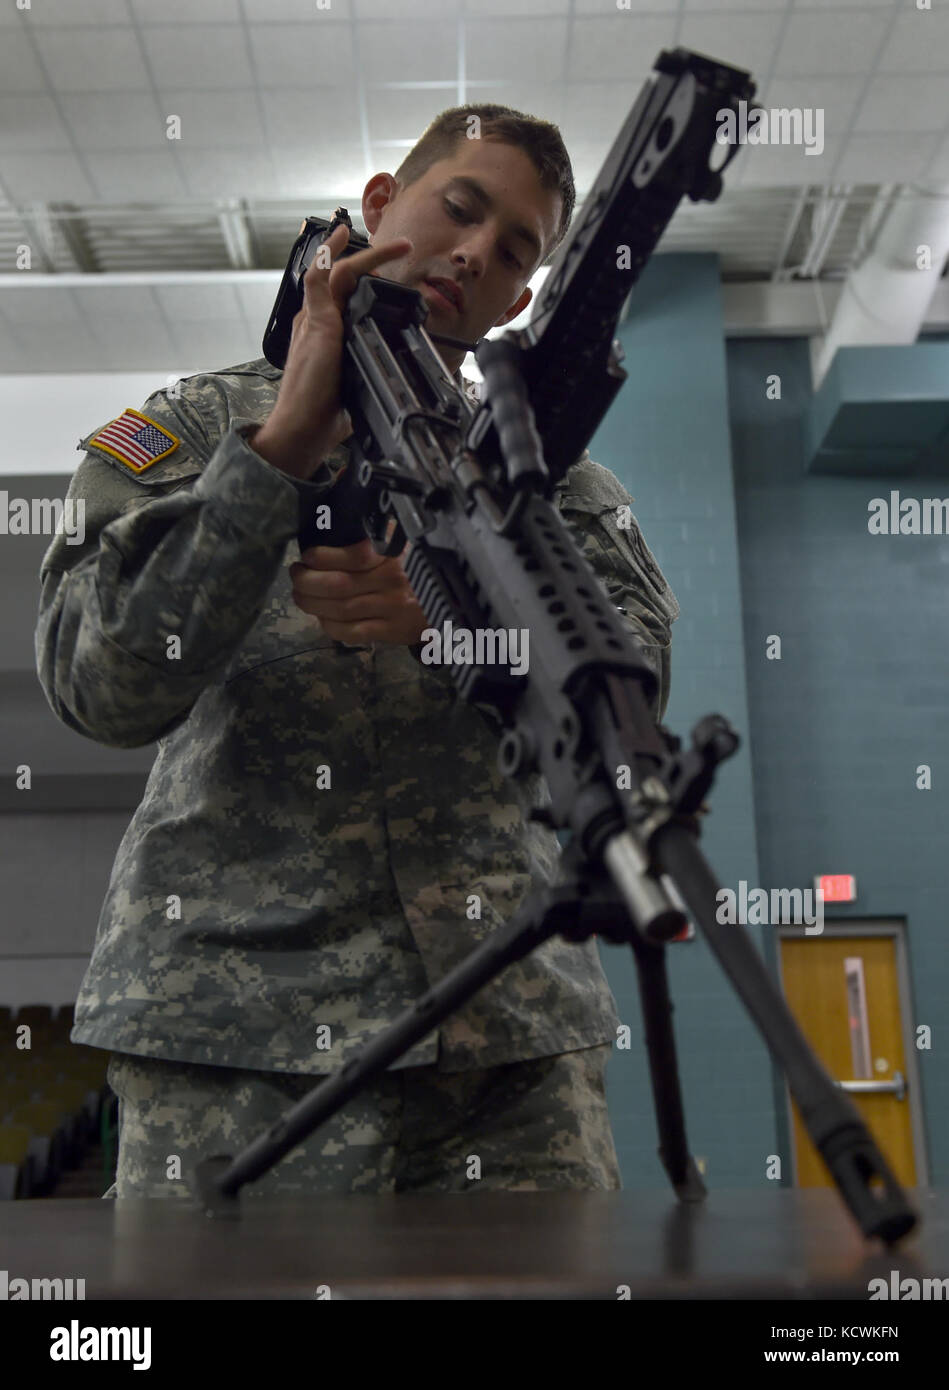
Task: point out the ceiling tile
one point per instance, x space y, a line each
782 166
527 7
904 103
322 178
146 177
215 120
843 4
656 7
741 40
311 121
919 41
227 174
512 49
303 56
384 158
98 60
31 122
287 11
413 9
883 158
595 111
114 120
846 42
69 349
413 51
268 95
19 70
403 114
186 12
124 350
40 305
90 12
257 298
106 302
541 99
127 321
192 303
45 178
12 360
219 344
209 57
742 5
615 48
939 168
837 97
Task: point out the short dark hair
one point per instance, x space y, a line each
540 140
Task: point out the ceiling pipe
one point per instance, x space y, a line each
827 217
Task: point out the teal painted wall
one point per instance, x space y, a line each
859 699
832 734
667 439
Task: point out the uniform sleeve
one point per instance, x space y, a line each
590 498
172 571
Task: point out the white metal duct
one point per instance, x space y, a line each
885 299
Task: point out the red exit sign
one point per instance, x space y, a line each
837 888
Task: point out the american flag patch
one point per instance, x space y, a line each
135 440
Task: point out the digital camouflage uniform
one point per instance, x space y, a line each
260 928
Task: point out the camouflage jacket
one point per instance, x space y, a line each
257 917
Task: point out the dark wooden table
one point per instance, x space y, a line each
748 1244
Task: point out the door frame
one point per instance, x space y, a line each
894 927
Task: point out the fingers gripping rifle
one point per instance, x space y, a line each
470 488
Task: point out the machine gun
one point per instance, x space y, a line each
470 487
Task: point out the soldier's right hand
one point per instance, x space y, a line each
308 421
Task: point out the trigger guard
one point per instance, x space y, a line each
390 547
396 543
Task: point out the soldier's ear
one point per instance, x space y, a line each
377 194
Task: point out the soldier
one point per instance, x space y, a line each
324 832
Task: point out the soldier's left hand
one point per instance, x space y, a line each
357 595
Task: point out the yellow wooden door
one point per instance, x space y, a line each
843 992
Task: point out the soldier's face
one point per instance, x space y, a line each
480 220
